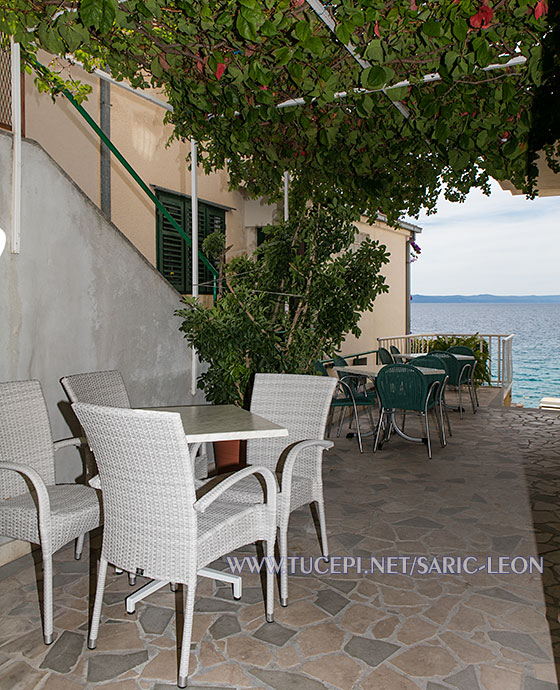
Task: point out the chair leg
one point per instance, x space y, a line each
330 421
428 444
460 402
341 422
323 528
79 547
283 552
270 580
187 633
47 598
379 425
131 579
371 420
101 577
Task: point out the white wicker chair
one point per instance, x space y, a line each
301 404
32 507
154 525
108 388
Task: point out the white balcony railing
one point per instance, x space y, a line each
500 359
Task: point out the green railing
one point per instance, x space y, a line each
42 71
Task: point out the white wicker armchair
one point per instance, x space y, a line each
108 388
154 525
32 507
301 404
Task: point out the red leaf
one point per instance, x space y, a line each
541 8
200 66
483 17
413 5
220 69
376 30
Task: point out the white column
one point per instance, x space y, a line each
194 248
16 150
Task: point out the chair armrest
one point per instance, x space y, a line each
95 482
271 487
43 501
65 442
291 459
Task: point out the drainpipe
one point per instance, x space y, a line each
104 153
286 192
16 150
194 249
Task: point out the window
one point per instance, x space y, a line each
173 254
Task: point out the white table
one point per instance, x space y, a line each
371 370
203 424
207 423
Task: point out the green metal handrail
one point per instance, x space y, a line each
105 139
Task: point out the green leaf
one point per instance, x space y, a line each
374 51
303 31
397 93
98 13
246 30
482 138
460 29
431 28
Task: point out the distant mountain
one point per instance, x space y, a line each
483 299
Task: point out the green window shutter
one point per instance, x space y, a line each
173 253
171 247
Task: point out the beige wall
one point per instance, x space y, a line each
138 132
389 312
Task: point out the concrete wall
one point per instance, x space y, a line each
80 297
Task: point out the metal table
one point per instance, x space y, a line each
202 424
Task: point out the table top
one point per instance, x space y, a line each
413 355
203 423
372 370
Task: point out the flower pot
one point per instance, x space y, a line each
229 455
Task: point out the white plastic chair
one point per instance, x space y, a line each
32 507
154 525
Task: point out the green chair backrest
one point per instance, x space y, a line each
320 368
451 365
461 350
429 362
402 386
384 356
340 361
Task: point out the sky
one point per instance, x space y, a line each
501 245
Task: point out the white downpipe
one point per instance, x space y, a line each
286 195
194 248
16 150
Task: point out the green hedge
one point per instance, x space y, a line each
480 348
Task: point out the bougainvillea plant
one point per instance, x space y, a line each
382 105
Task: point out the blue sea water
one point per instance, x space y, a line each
536 345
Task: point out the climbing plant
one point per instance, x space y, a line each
266 86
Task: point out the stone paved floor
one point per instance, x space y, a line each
373 632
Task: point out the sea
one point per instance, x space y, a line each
536 342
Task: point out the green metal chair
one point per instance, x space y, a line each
396 353
458 376
384 356
404 387
430 362
464 350
339 361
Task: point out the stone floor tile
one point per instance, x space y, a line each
320 639
273 633
299 614
229 674
416 629
495 678
287 657
520 642
535 684
224 626
56 682
118 636
425 661
31 645
464 680
330 601
336 669
164 666
20 676
108 666
283 680
64 652
249 651
384 678
385 627
154 619
358 617
121 685
209 655
467 651
373 652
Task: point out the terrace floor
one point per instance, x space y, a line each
492 492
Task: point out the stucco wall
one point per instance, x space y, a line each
138 132
79 297
389 312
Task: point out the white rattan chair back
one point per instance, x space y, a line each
25 435
300 403
148 490
97 387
